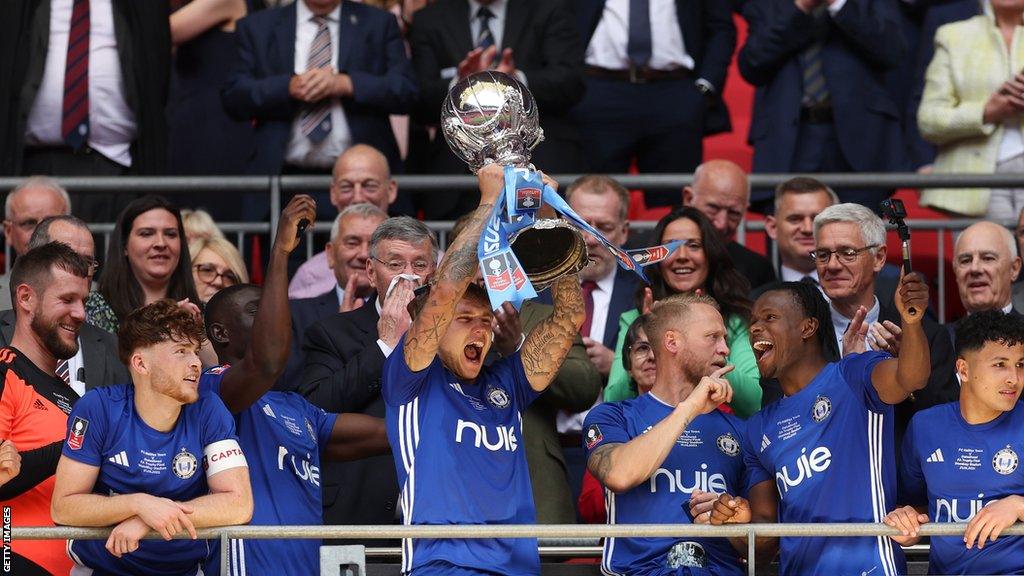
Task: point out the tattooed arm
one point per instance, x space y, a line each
546 346
457 269
622 467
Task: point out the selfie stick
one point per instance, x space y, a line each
895 212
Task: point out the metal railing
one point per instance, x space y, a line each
276 186
540 531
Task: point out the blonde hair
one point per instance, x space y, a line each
226 250
670 312
199 224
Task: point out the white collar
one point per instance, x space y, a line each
304 14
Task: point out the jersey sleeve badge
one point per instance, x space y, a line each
594 436
77 436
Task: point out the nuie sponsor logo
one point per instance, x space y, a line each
504 437
958 509
302 468
702 480
807 465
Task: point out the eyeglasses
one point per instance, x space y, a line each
399 266
845 255
640 350
209 273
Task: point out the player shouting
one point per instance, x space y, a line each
824 452
654 451
961 461
455 427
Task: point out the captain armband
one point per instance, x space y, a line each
223 455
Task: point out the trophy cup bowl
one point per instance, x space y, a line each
491 117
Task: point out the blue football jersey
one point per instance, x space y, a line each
706 456
956 468
458 453
281 435
830 451
104 430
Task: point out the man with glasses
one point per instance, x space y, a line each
360 176
96 362
345 356
35 199
850 251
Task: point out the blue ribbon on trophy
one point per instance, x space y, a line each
492 117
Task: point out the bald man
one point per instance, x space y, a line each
721 191
36 199
986 263
360 175
1018 287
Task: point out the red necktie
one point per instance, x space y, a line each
588 287
74 126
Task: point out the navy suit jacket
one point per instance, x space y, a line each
623 300
371 51
305 312
709 35
863 41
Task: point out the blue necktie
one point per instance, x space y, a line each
639 46
815 89
485 39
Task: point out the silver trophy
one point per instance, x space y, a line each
492 117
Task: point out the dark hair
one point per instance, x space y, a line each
813 304
41 235
35 267
118 284
724 283
225 303
989 326
154 323
631 335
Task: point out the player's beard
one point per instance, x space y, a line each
174 388
49 332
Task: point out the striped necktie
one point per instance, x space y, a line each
485 39
64 371
815 89
74 125
315 120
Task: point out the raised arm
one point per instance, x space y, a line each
267 353
457 269
548 343
622 467
896 379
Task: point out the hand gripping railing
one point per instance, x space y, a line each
748 531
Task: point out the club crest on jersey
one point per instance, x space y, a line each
497 397
822 408
77 434
1005 461
184 464
728 444
594 436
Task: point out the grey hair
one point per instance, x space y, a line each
41 235
361 210
1004 233
38 182
405 229
601 184
872 230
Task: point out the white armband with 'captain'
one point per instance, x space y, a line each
223 455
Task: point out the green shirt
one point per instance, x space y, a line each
745 378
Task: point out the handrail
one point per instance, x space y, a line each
749 531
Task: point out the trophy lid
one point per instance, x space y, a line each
490 116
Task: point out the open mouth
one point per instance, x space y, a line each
474 352
70 328
762 348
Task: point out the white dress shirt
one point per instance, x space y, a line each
607 48
112 125
840 323
791 275
497 24
301 151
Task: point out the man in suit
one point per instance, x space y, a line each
345 356
986 264
26 206
1018 286
317 76
721 191
639 55
360 175
84 86
821 103
849 253
348 253
533 40
96 363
